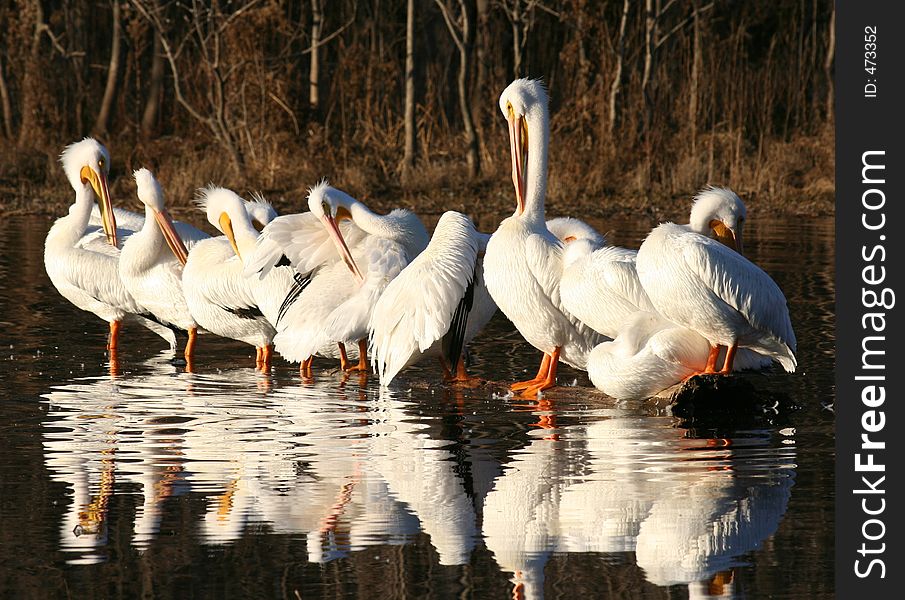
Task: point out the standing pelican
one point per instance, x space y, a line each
151 262
437 304
706 285
339 312
392 242
599 283
84 268
523 264
218 295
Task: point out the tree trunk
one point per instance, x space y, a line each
408 161
155 91
695 76
828 66
516 40
616 86
103 118
317 20
650 20
7 105
471 136
31 83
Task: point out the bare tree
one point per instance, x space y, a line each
616 85
317 22
7 104
461 29
828 64
207 25
103 117
520 14
155 89
408 161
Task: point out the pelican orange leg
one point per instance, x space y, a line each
362 358
730 359
190 345
305 367
549 379
541 374
113 341
266 357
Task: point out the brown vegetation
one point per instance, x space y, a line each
650 100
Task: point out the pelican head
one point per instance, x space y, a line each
87 165
151 195
523 101
721 212
568 229
225 210
579 238
260 210
330 205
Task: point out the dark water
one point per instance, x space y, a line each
224 483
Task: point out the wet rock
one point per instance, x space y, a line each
733 401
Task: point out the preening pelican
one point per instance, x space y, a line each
706 285
651 354
599 283
221 299
391 242
436 305
523 264
83 267
338 228
151 262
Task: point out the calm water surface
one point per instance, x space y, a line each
223 483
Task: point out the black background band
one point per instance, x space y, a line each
866 124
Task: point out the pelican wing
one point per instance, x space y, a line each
95 275
299 240
544 257
385 259
603 290
216 282
419 306
742 285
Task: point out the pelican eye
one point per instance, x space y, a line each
101 163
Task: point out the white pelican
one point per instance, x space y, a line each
707 286
599 283
83 267
436 305
220 298
151 262
340 310
523 263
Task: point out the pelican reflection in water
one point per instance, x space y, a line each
349 468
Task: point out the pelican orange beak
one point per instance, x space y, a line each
333 229
98 181
727 236
226 226
165 222
518 147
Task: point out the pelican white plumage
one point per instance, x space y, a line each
599 283
332 307
151 262
436 305
220 298
82 265
706 285
523 264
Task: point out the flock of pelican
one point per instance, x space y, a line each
340 281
